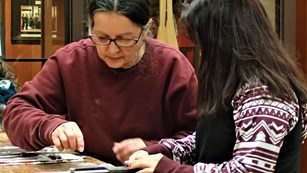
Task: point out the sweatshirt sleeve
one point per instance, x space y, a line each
171 166
181 151
304 122
159 148
182 106
32 114
182 102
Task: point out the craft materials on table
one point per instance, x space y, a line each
11 155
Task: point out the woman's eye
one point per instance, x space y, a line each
124 40
103 39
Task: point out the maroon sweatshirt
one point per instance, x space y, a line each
153 100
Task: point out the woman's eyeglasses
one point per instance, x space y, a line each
120 42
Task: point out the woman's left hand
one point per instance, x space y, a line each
148 163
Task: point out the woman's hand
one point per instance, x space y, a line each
68 136
125 148
137 155
147 163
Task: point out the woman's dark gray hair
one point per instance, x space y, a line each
138 11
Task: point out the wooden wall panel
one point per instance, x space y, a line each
25 71
17 50
301 45
301 32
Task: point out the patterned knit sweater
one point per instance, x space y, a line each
260 133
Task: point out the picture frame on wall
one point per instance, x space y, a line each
27 22
30 21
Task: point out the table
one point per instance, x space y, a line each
58 167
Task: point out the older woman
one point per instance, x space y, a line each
120 90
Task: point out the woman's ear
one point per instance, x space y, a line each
152 28
150 23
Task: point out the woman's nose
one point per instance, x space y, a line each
112 48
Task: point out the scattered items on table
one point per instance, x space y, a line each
103 168
11 155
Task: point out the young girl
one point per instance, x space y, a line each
252 97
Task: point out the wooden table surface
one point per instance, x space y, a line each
58 167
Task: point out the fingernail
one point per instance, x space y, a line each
128 163
81 149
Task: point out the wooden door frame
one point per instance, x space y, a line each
301 47
301 34
2 37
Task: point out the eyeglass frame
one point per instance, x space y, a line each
114 40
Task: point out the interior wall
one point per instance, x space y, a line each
301 30
25 71
301 45
270 8
17 50
289 25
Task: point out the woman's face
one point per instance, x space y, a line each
115 26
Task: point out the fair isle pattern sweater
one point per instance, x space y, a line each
267 138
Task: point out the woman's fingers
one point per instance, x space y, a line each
68 136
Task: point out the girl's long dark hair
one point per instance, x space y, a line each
239 45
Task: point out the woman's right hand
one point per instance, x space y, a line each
68 136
